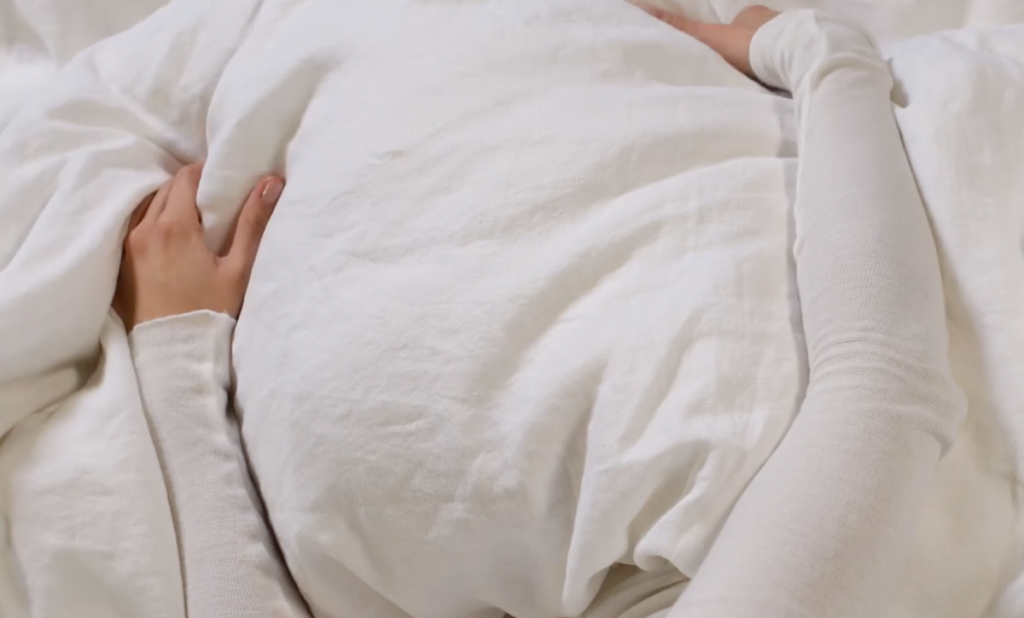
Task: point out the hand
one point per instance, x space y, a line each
731 41
167 269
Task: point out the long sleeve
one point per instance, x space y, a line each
825 527
230 565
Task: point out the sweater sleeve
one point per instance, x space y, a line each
825 527
230 563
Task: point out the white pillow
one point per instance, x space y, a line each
524 310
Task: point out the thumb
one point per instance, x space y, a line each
252 222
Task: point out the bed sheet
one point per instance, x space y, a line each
84 518
38 36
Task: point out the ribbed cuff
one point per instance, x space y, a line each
798 46
197 341
766 49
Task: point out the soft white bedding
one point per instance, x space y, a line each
488 226
38 36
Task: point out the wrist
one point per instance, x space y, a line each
199 319
803 46
194 345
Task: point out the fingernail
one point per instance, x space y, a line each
272 192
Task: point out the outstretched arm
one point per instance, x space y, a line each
824 528
180 301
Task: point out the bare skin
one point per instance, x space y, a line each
731 41
167 269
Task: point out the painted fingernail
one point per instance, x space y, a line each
272 192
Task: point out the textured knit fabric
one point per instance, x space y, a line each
229 562
823 529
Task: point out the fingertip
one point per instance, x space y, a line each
271 191
192 171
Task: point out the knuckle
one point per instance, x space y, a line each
240 275
164 229
231 271
135 242
255 222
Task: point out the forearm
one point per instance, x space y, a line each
230 564
823 529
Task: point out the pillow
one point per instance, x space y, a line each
524 310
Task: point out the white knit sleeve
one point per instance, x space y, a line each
230 564
824 528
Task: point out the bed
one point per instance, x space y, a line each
568 273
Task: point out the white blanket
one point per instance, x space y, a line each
38 36
495 217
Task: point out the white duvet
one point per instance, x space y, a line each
527 295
